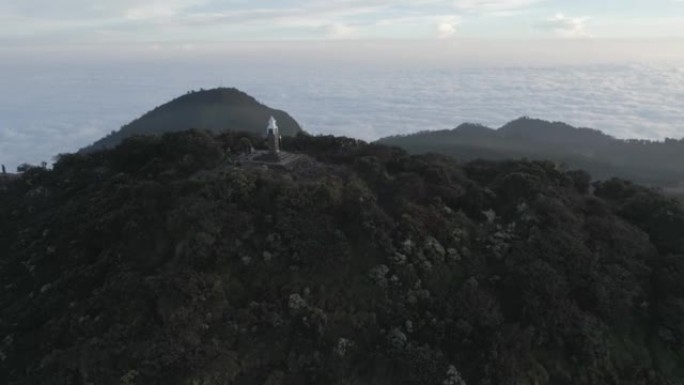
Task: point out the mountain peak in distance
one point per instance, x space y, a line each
216 110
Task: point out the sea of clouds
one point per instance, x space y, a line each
50 108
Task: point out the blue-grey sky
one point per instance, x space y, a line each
73 70
206 21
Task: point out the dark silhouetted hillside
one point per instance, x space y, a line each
217 110
164 261
649 162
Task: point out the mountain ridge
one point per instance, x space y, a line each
604 156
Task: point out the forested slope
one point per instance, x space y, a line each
162 261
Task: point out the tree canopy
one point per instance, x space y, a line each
163 261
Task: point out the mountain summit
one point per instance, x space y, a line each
217 110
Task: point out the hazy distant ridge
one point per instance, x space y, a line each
654 162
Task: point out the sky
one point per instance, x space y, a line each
65 22
71 71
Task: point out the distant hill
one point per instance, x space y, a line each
217 110
649 162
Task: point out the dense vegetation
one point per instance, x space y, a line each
649 162
163 262
217 110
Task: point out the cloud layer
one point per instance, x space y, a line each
47 109
212 19
564 26
87 21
